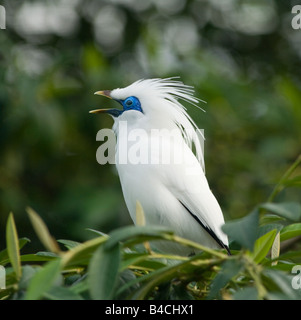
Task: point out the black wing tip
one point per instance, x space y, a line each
227 249
210 231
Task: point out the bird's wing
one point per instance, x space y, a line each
187 182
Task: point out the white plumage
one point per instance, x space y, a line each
161 171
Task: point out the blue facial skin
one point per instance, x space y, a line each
130 103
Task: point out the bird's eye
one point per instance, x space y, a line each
131 103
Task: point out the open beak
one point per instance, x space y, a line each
113 112
105 93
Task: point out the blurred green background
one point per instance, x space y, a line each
242 57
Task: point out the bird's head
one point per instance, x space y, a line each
128 103
152 98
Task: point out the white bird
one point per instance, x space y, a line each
157 166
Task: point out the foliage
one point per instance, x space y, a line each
121 265
242 57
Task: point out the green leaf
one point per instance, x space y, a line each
248 293
150 281
263 245
43 280
125 277
132 258
270 219
12 243
244 230
290 255
150 265
69 244
36 258
81 254
288 210
136 234
32 258
192 267
97 232
103 271
283 265
280 283
27 273
290 231
47 254
42 231
262 230
294 182
80 286
228 270
275 251
140 216
61 293
4 253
